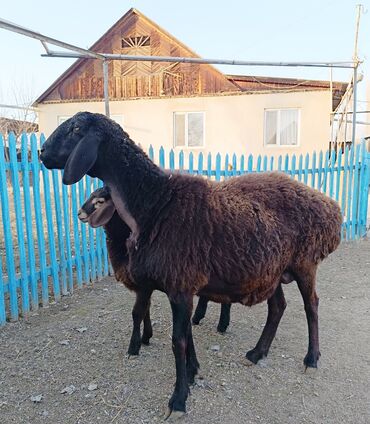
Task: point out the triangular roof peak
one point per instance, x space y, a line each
104 45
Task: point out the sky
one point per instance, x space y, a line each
284 30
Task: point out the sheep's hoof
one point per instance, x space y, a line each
310 370
131 357
310 360
246 362
254 356
221 329
172 416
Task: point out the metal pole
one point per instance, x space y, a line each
354 105
356 61
106 92
45 39
199 60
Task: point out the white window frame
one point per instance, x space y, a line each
62 118
120 117
186 114
278 145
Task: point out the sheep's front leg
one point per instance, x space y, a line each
192 364
148 331
139 312
181 313
224 317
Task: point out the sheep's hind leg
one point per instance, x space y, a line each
181 314
276 307
200 310
306 285
140 311
224 317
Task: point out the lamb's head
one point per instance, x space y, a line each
98 208
74 145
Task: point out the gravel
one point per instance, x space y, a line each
67 363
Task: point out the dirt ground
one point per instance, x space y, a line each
79 345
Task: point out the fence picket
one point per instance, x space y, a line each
218 167
332 169
67 234
293 166
364 192
76 235
314 170
242 165
29 222
200 164
355 192
19 223
98 238
91 235
338 174
39 224
12 282
50 230
349 193
300 168
85 252
2 297
250 163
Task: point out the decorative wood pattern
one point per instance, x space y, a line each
136 35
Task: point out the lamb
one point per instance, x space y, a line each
231 241
99 210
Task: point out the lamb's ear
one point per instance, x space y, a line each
102 215
81 159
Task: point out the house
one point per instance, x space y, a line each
191 107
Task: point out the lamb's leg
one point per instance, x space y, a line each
306 286
139 311
200 310
276 307
192 364
224 317
148 331
181 314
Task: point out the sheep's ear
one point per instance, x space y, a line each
102 215
81 159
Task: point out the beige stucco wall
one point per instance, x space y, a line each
233 124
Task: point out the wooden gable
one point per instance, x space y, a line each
134 34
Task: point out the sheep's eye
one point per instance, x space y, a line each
76 129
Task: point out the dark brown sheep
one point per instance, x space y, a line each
99 210
232 241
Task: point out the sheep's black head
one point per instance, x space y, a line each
98 208
74 145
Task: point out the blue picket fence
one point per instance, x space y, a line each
45 251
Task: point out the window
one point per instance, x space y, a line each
188 129
118 119
281 127
62 119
